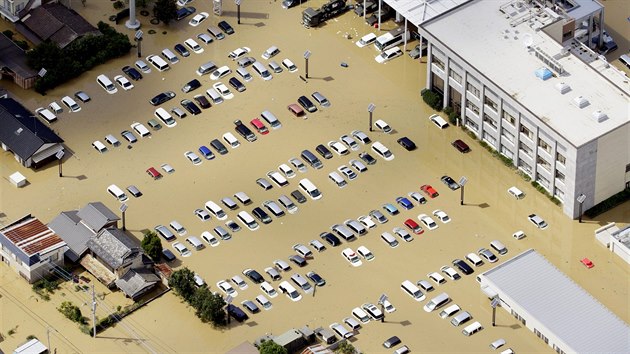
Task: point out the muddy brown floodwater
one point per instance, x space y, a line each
168 325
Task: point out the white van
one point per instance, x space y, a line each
271 119
112 140
231 140
270 52
46 114
158 62
438 121
412 290
310 189
141 129
382 125
244 74
341 330
437 302
382 151
55 107
472 329
216 32
216 210
70 103
195 243
163 115
106 84
449 311
100 147
389 239
214 96
499 247
170 56
247 220
261 70
206 68
462 317
179 228
516 193
474 259
117 193
337 179
301 282
625 60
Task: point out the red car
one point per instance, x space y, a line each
430 191
413 226
296 110
259 126
587 262
155 174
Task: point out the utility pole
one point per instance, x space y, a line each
93 312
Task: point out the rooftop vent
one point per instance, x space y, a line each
599 116
544 73
563 88
580 102
18 131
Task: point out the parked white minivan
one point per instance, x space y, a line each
106 84
310 189
117 193
216 210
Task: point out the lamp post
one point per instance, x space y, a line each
59 156
238 10
138 39
370 110
462 182
381 300
307 55
494 303
123 209
580 199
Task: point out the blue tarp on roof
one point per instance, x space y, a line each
543 73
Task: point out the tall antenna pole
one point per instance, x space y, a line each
93 312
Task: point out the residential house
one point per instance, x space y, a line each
31 248
13 64
32 142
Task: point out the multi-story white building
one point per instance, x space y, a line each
522 82
13 10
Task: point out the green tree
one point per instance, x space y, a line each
152 246
209 306
271 347
165 10
184 283
72 312
345 348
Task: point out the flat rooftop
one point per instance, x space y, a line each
560 305
504 49
419 11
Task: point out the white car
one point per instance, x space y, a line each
427 221
238 281
220 73
348 140
366 220
142 66
205 38
71 104
212 241
338 147
437 278
346 171
538 221
123 82
194 158
450 272
290 291
286 171
181 249
227 288
358 165
351 257
365 253
366 40
238 52
474 259
289 65
223 90
193 45
140 129
264 302
388 55
282 265
299 165
318 246
167 168
389 308
442 216
198 19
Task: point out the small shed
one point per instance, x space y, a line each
18 179
33 346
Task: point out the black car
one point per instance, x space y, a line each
391 342
168 255
287 4
132 73
236 313
162 97
450 183
316 278
307 104
218 146
184 12
298 196
330 238
225 27
370 6
244 131
233 226
181 50
190 106
254 276
261 215
203 101
249 305
463 266
191 86
407 143
238 86
301 262
323 150
385 14
367 158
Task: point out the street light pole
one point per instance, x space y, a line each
371 107
123 209
494 303
307 55
238 10
59 156
462 183
138 39
580 199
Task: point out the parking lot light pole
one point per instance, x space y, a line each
307 55
238 10
123 209
494 303
580 199
462 183
370 109
138 39
59 157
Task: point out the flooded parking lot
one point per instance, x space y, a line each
167 324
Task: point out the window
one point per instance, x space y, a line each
509 118
490 121
490 103
472 89
507 153
515 314
560 176
541 336
507 135
543 144
542 181
558 194
543 163
472 107
490 139
526 149
528 133
437 62
472 125
457 77
561 159
524 166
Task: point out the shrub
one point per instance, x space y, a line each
433 99
8 33
609 203
30 337
46 286
72 312
118 5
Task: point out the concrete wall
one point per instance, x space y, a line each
612 154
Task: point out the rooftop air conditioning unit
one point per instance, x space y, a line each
563 88
599 116
580 102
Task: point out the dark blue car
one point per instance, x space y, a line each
206 152
236 313
404 202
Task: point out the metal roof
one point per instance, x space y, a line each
28 238
562 307
419 11
70 228
96 215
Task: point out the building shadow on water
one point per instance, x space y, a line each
244 14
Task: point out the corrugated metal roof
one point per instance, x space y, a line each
562 306
96 215
69 227
32 237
